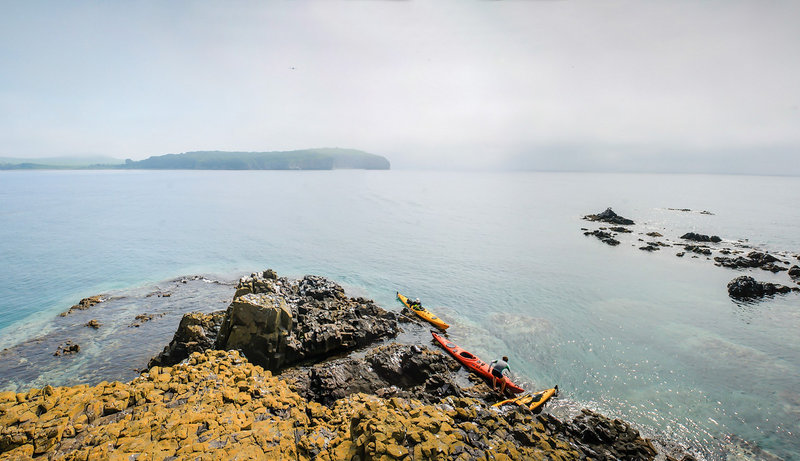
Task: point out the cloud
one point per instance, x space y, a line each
429 84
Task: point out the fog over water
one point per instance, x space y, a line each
571 85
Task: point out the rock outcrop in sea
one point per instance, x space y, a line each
701 237
277 322
605 237
746 287
765 261
610 217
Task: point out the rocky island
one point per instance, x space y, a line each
304 159
296 369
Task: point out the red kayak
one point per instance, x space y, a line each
472 363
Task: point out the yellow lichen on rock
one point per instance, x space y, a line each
217 405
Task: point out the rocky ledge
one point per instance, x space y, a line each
217 405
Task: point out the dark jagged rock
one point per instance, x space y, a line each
393 370
277 322
605 237
143 318
746 287
610 217
754 259
734 263
762 258
654 234
650 247
601 438
196 333
772 267
620 229
68 348
93 324
698 249
794 272
700 237
680 254
84 304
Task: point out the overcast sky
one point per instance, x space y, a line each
551 85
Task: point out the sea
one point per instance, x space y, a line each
649 337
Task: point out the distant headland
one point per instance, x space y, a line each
305 159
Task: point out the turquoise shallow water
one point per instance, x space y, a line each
645 336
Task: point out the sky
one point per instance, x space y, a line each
666 86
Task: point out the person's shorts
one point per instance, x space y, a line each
497 373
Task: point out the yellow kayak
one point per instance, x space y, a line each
424 313
532 401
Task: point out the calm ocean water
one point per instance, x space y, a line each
648 337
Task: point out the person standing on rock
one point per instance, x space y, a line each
500 371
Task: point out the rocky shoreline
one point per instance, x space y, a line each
732 255
309 383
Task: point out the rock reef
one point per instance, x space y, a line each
84 304
604 237
702 246
754 259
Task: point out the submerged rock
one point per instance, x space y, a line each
698 249
140 319
746 287
610 217
68 348
605 237
84 304
620 229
